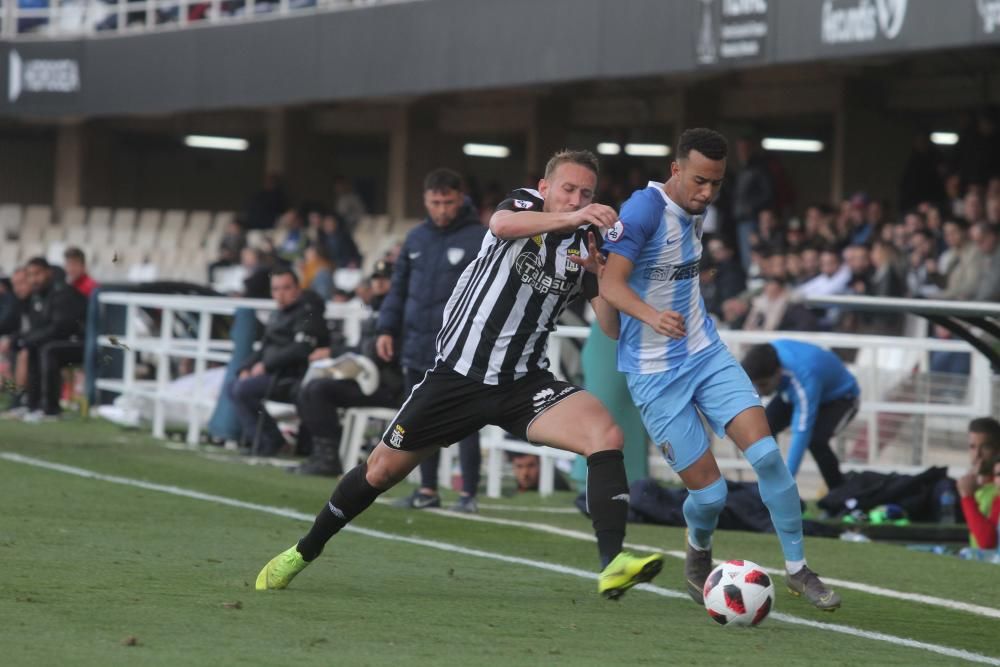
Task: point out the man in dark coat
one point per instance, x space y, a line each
433 257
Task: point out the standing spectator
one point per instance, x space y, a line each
433 257
752 191
348 204
231 244
75 265
265 206
54 339
293 331
986 239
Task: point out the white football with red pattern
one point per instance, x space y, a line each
739 592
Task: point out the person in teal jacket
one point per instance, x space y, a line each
816 395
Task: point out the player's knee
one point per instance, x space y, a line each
379 474
711 498
604 438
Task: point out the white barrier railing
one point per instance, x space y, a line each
93 18
201 349
880 362
878 358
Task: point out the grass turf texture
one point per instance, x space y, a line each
92 567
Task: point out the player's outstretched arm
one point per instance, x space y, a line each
616 291
511 225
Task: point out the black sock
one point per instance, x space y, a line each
352 496
607 501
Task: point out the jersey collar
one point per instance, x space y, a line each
674 207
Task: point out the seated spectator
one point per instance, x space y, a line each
75 265
728 280
833 279
257 272
317 271
987 241
951 362
858 260
13 323
528 470
291 239
774 309
886 281
980 488
961 264
231 246
983 523
348 204
922 268
340 246
293 331
338 386
57 319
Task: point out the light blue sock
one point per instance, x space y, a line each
780 494
701 512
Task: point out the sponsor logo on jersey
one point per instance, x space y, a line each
667 272
529 268
616 232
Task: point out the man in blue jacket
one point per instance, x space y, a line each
433 257
816 395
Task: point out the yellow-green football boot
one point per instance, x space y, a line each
281 569
625 571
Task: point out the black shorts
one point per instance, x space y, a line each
446 406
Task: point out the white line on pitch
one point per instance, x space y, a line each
978 610
504 508
453 548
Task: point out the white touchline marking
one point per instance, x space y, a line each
506 508
454 548
978 610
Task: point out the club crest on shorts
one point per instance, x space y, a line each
668 453
396 437
616 232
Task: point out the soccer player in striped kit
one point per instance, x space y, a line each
678 369
492 368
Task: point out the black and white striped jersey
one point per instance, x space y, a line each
497 321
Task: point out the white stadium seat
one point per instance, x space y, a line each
123 227
10 220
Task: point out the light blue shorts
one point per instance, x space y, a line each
709 383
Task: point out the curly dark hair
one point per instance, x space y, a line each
709 143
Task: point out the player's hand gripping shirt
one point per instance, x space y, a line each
663 242
497 321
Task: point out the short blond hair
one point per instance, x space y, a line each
582 158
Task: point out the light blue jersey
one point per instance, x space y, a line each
663 242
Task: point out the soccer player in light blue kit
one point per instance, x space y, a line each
678 369
816 395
